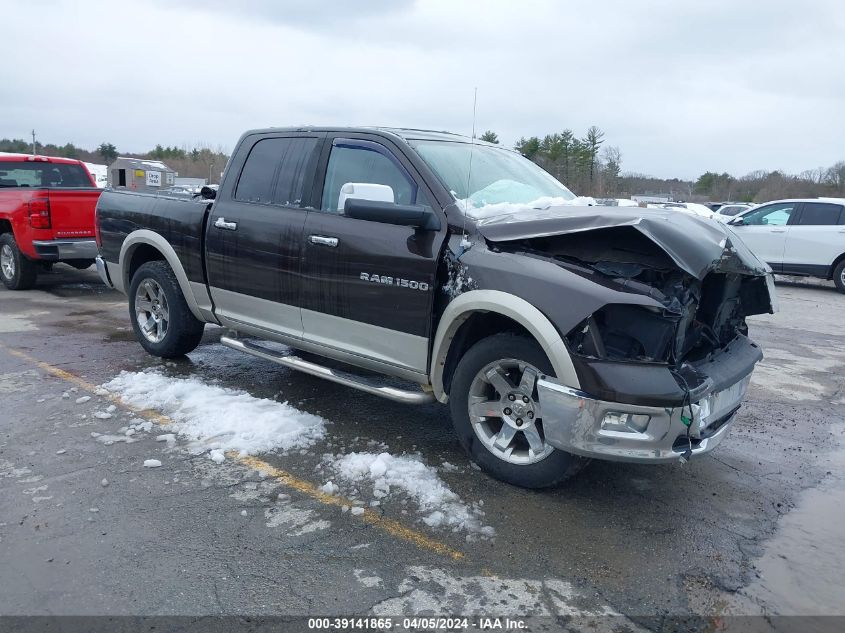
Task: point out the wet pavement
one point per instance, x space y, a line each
85 529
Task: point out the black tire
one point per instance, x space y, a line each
839 276
183 331
549 471
22 272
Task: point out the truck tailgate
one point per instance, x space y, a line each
72 212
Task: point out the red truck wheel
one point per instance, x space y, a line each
17 272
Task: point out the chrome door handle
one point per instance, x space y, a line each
322 240
220 223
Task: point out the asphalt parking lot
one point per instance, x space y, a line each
85 528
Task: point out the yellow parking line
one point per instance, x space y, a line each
394 528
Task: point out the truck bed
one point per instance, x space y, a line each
180 221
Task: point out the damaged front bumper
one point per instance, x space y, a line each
579 423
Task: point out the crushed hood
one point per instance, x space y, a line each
697 245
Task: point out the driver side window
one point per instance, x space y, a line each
770 215
364 163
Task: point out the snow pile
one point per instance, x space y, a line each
409 475
483 211
222 419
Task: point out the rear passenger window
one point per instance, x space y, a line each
275 171
819 214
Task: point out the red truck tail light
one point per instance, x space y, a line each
39 212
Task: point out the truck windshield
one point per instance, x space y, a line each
40 174
499 181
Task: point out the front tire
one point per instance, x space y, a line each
839 276
17 272
161 319
497 417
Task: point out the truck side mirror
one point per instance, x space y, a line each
414 215
207 193
364 191
738 221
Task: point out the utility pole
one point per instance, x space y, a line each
210 169
33 142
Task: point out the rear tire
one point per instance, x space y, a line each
508 444
17 272
161 319
839 276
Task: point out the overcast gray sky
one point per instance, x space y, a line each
680 87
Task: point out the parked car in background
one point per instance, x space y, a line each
46 216
687 207
798 237
555 331
728 211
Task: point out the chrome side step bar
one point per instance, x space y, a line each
334 375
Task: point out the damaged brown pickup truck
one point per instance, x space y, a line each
556 332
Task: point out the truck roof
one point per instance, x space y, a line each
23 158
406 134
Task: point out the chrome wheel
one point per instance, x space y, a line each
151 310
505 413
842 278
7 261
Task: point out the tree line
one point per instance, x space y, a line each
762 186
578 162
192 162
588 169
584 164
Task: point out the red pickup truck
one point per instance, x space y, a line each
46 216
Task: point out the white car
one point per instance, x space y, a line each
798 237
728 211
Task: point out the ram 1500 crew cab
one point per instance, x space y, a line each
46 216
554 332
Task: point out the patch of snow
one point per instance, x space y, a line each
409 475
108 440
83 399
152 463
297 520
104 482
234 419
478 210
329 488
102 415
437 592
356 511
368 581
166 437
217 456
111 408
61 452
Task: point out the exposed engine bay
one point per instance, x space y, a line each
697 315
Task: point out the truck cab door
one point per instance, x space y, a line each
254 233
764 231
368 287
